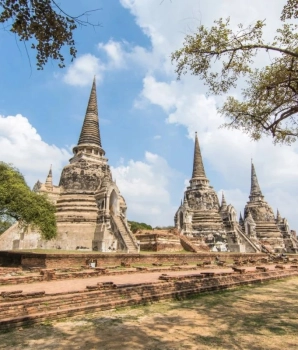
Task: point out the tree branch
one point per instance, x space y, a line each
245 47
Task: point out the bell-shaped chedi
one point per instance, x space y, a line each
203 220
91 209
262 215
198 216
91 212
88 164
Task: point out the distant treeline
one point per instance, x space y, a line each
135 226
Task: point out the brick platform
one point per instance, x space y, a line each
25 259
19 306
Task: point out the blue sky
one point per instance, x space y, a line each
147 117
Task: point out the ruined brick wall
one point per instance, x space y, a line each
156 242
76 260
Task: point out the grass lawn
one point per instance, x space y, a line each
257 317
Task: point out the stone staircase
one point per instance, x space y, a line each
127 237
188 245
248 241
291 245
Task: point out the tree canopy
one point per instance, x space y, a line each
136 226
45 25
269 103
18 202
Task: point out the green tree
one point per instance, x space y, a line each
18 202
136 226
45 25
269 103
5 223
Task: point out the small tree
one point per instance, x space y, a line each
19 203
270 100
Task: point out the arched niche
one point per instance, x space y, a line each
113 207
181 220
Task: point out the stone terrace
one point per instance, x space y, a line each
35 302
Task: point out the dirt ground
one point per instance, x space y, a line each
256 317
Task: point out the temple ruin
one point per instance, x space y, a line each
203 220
91 212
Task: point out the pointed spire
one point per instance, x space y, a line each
185 202
278 217
49 180
240 219
223 202
255 190
198 167
90 130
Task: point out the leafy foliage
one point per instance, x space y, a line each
135 226
5 223
269 102
43 23
18 202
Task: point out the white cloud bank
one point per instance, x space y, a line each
146 187
22 146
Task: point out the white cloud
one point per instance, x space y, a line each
145 186
119 55
21 145
83 69
167 23
114 52
157 137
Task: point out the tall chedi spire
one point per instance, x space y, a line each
89 141
255 191
90 130
198 170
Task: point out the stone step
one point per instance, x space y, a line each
125 235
